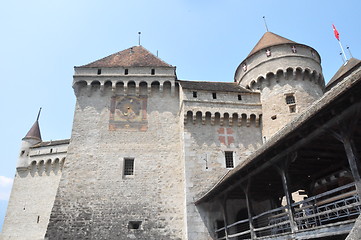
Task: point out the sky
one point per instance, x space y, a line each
41 41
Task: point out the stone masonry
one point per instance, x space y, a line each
145 145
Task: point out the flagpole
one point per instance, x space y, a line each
343 52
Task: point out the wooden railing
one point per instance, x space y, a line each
335 206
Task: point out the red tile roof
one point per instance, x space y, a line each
136 56
267 40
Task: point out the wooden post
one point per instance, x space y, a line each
224 213
354 162
249 210
289 200
344 135
284 175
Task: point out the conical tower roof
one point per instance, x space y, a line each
267 40
34 132
136 56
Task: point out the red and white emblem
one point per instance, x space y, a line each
225 135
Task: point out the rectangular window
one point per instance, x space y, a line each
290 99
239 97
229 159
214 95
126 71
194 94
99 71
136 225
128 166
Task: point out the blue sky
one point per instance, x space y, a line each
42 41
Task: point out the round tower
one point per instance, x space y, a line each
32 138
288 76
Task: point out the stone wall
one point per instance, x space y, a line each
205 145
33 194
95 199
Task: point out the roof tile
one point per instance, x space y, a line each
267 40
136 56
213 86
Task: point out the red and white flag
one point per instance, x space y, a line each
337 35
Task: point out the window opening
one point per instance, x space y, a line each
194 94
128 166
37 221
290 99
214 95
229 159
126 71
51 150
22 152
292 109
99 71
239 97
134 225
268 52
152 71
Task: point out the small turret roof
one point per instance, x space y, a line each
136 56
34 132
345 68
267 40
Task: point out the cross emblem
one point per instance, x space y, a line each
268 53
244 67
294 50
225 135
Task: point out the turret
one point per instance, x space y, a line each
32 138
287 74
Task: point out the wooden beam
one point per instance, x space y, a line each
225 215
249 209
290 210
345 135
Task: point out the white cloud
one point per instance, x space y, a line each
5 187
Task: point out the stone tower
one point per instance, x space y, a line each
35 184
287 74
124 174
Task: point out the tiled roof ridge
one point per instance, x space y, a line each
136 56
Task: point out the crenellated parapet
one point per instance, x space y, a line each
222 118
130 87
281 76
44 166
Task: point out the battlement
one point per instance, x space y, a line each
131 86
222 118
44 167
300 74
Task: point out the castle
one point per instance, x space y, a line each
148 152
